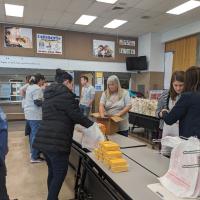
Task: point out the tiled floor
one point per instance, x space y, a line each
27 181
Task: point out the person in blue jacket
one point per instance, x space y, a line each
3 152
187 109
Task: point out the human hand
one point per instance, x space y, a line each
118 115
162 111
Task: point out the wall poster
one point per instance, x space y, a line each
49 44
102 48
18 37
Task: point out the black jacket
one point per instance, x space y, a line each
187 111
60 113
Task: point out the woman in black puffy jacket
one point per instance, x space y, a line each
60 113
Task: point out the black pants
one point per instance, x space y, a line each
57 170
3 190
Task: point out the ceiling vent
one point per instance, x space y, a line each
145 17
117 8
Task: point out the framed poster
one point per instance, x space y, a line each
49 44
18 37
104 49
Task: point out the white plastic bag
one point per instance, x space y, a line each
169 130
91 137
182 178
170 141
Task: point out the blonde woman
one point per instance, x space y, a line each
116 101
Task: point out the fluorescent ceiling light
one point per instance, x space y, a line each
85 19
14 10
107 1
184 7
115 23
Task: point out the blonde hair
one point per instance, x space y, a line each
114 79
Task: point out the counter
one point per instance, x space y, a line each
13 110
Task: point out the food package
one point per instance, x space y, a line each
118 162
113 154
110 147
118 165
144 106
109 153
119 169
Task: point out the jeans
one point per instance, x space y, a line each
34 125
85 110
124 133
57 170
3 190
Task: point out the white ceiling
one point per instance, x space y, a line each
62 14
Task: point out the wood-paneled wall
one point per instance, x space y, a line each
76 45
185 52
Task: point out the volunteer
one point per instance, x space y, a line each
116 101
33 111
87 96
23 94
187 109
54 138
167 100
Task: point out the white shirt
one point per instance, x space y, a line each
32 111
87 94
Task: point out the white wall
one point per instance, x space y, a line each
150 45
157 53
182 31
144 45
50 63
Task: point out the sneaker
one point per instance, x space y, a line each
39 160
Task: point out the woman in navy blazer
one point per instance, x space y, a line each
187 109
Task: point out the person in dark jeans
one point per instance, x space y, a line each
3 153
33 111
60 113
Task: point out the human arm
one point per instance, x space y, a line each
22 90
92 97
74 113
177 112
162 103
127 103
102 105
37 97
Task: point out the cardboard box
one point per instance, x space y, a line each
111 123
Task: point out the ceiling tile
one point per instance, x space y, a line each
97 8
148 4
67 18
51 18
132 13
76 27
17 2
38 4
79 6
58 5
15 20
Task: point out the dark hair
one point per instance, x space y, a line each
35 79
62 75
192 79
176 76
85 78
28 77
